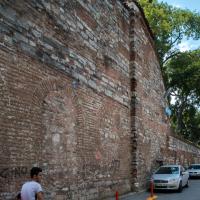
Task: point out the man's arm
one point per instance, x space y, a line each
40 196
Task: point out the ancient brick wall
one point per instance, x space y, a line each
150 124
180 151
64 77
81 95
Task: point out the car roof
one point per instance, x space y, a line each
194 164
170 165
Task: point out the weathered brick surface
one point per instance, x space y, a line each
81 95
64 82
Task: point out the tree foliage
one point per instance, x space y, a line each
170 25
184 80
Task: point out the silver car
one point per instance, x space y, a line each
194 170
170 177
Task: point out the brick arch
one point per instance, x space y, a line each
33 144
59 119
44 87
51 101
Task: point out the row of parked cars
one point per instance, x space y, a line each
174 177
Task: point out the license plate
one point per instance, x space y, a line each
160 184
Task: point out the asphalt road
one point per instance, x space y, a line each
190 193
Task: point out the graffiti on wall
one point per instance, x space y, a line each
13 172
88 169
18 171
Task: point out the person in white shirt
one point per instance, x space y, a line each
32 190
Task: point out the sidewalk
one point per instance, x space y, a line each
133 196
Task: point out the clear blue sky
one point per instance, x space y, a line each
193 5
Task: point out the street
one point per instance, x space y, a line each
190 193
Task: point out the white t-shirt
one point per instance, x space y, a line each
30 189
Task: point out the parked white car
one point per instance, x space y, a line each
170 177
194 170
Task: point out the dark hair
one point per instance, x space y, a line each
18 197
35 171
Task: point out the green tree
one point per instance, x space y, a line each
170 25
183 73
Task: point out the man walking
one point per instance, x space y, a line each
32 189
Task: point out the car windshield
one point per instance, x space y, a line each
168 170
194 167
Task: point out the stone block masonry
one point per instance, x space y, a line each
81 95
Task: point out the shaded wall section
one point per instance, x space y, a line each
152 138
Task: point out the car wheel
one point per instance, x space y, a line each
180 187
187 184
